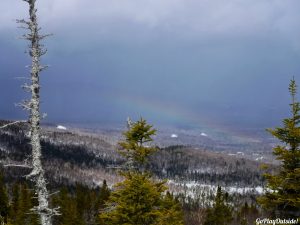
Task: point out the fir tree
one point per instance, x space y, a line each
68 209
221 213
282 198
13 209
20 208
80 201
4 210
133 147
139 200
172 213
103 196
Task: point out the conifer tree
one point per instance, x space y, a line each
68 209
4 209
14 203
80 201
22 202
172 211
221 213
139 199
282 198
103 196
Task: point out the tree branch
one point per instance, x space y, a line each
13 123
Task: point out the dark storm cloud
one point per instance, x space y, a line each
226 60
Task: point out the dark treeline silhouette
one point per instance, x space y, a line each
79 204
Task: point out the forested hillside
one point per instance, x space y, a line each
78 163
72 156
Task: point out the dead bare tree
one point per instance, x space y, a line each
37 174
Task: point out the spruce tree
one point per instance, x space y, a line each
4 210
103 196
282 197
68 208
172 211
220 213
139 199
80 201
22 202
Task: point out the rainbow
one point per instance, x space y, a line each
156 108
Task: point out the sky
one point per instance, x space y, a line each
176 62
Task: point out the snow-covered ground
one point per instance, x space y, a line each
203 192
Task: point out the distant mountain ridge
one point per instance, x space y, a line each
72 156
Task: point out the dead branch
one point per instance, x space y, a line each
13 123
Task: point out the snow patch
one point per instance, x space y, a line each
174 136
203 134
60 127
259 158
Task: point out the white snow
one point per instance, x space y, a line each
259 158
203 134
174 136
192 186
60 127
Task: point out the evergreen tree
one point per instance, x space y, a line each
22 202
139 200
172 214
13 209
4 210
80 201
221 213
103 196
242 214
68 209
282 197
133 147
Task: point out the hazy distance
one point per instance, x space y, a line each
187 63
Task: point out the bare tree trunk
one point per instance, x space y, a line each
37 174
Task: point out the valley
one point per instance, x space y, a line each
189 160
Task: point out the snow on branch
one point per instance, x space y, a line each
13 123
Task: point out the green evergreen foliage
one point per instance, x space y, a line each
81 199
133 147
80 205
246 214
4 207
103 196
13 209
139 199
220 213
282 198
172 213
136 201
69 208
21 205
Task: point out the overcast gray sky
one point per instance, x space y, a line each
185 62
